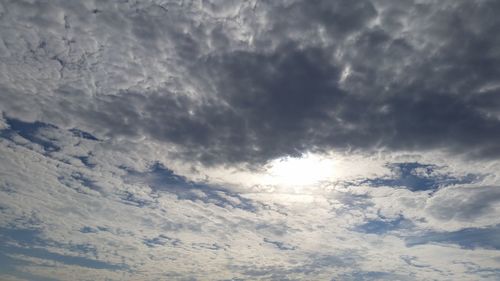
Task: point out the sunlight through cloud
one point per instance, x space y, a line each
300 171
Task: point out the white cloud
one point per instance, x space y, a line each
128 74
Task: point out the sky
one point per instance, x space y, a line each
249 140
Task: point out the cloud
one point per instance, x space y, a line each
356 76
465 203
143 222
468 238
136 139
26 242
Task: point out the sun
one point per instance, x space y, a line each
300 171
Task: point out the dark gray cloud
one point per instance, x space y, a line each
290 101
318 76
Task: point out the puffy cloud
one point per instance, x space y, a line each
111 220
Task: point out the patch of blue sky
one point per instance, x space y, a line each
161 178
418 177
130 198
12 267
86 161
207 246
29 131
79 183
83 134
161 240
468 238
280 245
28 243
88 229
484 272
382 226
372 275
85 181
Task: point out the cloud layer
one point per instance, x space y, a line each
138 139
247 84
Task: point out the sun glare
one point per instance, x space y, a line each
305 170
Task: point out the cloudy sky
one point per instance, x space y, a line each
250 140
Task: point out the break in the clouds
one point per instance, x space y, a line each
249 140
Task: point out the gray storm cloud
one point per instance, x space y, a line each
419 75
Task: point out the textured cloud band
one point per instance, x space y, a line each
261 80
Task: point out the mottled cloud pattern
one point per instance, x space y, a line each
139 140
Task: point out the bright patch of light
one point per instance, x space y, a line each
310 174
345 73
306 170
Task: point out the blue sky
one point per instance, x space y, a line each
255 140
